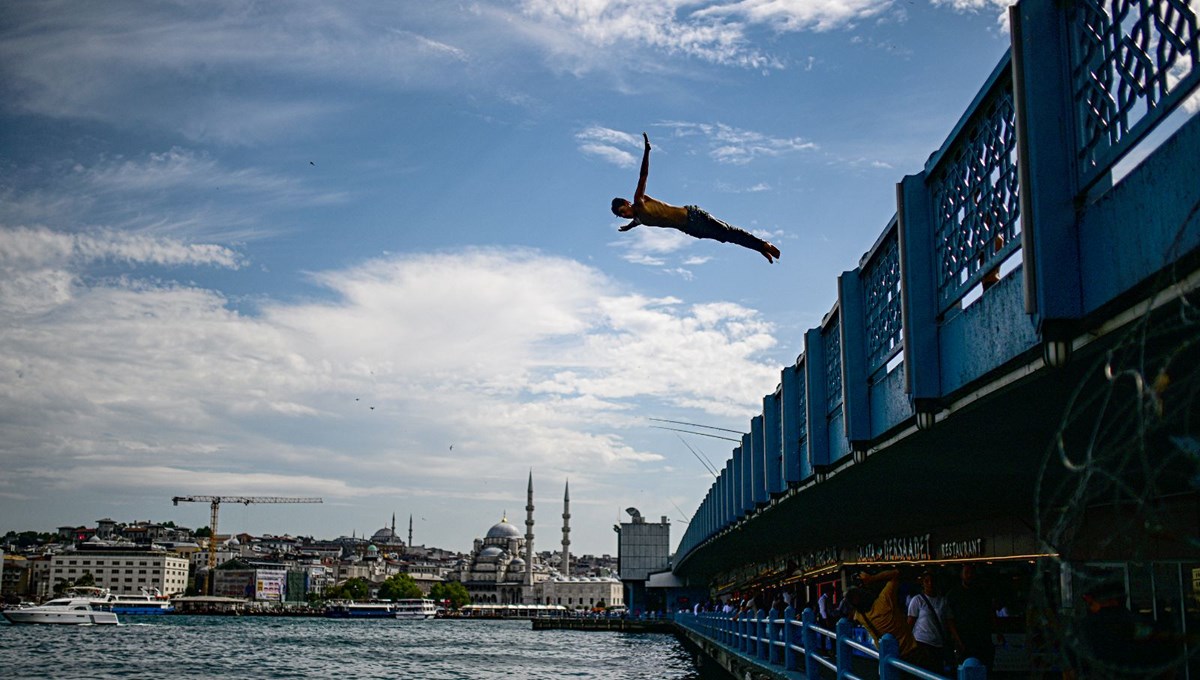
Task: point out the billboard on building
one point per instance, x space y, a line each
270 585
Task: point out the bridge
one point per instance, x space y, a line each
1009 374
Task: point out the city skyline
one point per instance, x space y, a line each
365 253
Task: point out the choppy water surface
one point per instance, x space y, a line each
261 647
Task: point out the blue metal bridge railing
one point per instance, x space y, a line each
774 638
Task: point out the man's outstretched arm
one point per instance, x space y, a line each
627 227
641 187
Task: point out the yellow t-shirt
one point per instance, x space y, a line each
887 616
655 213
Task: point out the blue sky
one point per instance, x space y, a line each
305 248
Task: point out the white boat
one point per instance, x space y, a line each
415 609
146 602
360 610
143 604
66 610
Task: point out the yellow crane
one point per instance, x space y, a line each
215 504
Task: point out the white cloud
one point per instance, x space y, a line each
610 146
728 144
647 245
716 32
1000 7
179 192
37 265
797 15
609 154
156 65
155 388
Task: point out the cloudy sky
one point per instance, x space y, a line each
363 250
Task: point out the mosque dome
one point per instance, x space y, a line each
372 549
490 552
384 535
504 530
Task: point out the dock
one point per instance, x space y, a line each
606 624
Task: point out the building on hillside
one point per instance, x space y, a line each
122 569
387 540
14 576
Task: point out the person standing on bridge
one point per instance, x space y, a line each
883 613
691 220
933 625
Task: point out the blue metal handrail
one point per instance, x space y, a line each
775 638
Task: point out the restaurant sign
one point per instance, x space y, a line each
896 550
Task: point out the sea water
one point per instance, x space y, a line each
180 646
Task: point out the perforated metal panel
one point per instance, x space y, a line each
881 285
976 207
832 338
1132 61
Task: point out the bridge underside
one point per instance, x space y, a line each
991 467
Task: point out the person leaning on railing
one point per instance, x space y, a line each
881 613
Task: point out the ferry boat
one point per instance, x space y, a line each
360 610
65 610
143 604
415 609
148 602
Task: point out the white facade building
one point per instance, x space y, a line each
123 571
584 592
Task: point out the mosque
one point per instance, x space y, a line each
503 568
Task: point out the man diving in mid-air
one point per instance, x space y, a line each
689 219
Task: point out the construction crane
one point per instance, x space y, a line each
215 504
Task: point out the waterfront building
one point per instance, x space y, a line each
583 592
495 572
503 568
14 576
40 586
642 549
125 569
260 582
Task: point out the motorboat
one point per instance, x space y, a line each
65 610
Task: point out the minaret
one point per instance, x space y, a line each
566 555
393 526
410 532
529 534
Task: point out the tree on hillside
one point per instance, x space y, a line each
202 532
453 591
352 589
399 587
